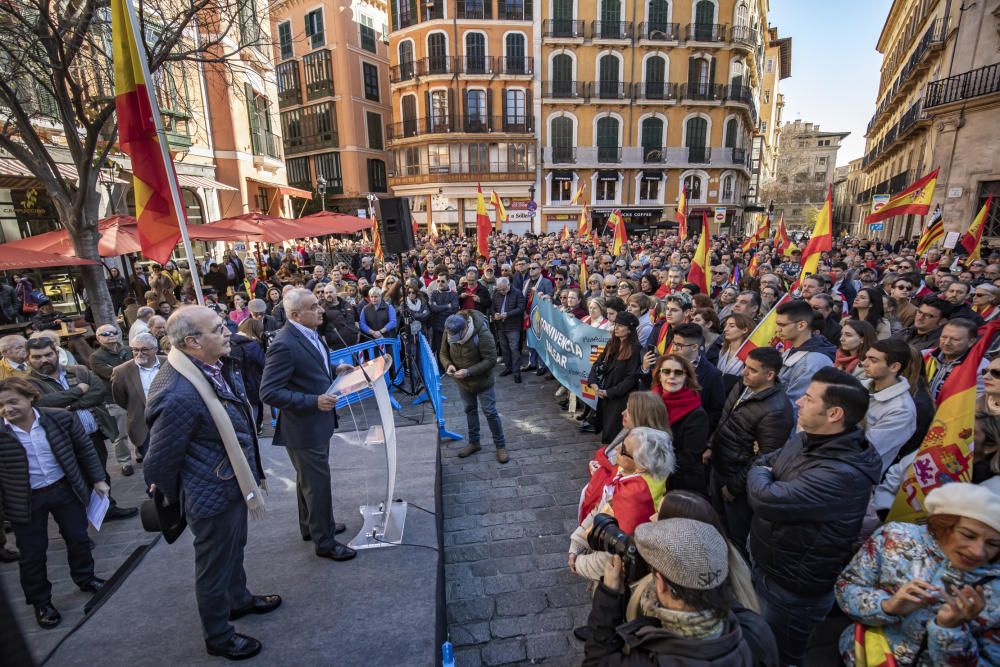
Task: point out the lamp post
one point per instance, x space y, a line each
321 189
531 191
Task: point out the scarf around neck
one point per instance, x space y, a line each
846 362
679 404
692 624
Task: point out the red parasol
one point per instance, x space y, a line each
328 222
21 258
119 236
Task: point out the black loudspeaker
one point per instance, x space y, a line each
394 226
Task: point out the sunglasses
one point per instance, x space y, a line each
108 334
992 372
676 372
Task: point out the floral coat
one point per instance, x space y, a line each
892 556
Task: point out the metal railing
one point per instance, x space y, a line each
478 64
699 154
611 30
705 32
742 34
465 167
609 90
563 154
739 155
739 93
654 154
477 9
436 65
609 154
470 123
705 92
637 157
964 86
512 12
658 31
518 65
563 90
402 72
563 28
265 142
656 90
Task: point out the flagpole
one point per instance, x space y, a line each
164 149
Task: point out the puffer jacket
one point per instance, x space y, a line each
808 509
249 357
801 363
477 354
442 304
186 459
72 448
745 640
888 560
764 418
340 325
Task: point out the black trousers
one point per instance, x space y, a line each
220 582
736 516
436 347
312 488
33 540
101 447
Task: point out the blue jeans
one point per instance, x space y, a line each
488 399
509 350
792 616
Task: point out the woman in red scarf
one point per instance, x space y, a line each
675 382
856 337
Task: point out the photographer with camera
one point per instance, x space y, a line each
690 616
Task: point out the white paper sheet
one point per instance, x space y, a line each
97 508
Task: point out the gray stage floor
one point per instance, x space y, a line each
378 609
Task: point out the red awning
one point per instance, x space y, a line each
328 222
20 258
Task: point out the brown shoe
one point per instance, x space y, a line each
502 455
469 450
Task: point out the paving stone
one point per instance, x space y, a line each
465 588
506 532
516 564
503 652
520 603
472 536
546 645
567 596
475 609
508 548
503 583
468 634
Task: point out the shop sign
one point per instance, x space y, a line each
520 205
518 215
878 201
32 204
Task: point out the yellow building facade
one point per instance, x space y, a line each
641 98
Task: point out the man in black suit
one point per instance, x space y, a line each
297 374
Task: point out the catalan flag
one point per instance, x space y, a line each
821 240
595 352
377 242
945 455
915 199
498 207
781 241
483 226
617 225
760 235
973 238
699 270
764 334
682 213
153 171
871 648
932 234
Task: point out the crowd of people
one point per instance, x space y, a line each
755 487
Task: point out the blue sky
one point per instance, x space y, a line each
835 68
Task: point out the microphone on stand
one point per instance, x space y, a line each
354 358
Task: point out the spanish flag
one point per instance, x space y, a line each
972 239
764 334
915 199
682 213
499 208
583 225
483 226
152 169
564 237
781 241
760 235
754 265
377 242
945 455
661 339
578 195
584 274
699 270
871 648
931 235
434 228
821 240
618 228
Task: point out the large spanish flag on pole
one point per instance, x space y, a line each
157 201
584 274
821 240
682 214
973 238
932 234
764 334
760 235
945 455
781 241
583 224
699 270
377 241
617 225
483 226
915 199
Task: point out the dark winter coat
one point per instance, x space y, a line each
54 396
442 304
103 360
713 389
340 325
620 378
809 507
477 355
249 357
690 438
72 448
511 303
764 418
186 458
745 641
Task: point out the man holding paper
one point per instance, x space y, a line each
48 466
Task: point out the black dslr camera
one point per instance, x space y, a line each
607 536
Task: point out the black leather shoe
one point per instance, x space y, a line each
128 470
116 513
93 585
529 368
541 371
582 633
261 604
307 538
9 555
588 428
506 373
338 552
338 528
47 615
237 647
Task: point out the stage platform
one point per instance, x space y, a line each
384 608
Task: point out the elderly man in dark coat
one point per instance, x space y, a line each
188 462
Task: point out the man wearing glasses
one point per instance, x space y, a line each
130 382
805 354
535 285
111 354
443 302
901 291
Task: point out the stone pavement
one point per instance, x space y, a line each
511 598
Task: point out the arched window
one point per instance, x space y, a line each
409 107
608 141
562 75
406 60
701 76
562 139
608 71
732 133
659 15
476 116
437 53
611 16
696 139
693 186
652 139
704 20
475 53
656 73
736 79
741 17
562 18
728 185
515 62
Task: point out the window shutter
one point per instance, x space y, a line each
488 9
451 109
503 109
529 111
465 122
692 72
711 72
489 109
251 111
427 111
529 12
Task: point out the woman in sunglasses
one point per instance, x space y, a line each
675 382
986 448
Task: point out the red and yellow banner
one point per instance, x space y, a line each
945 455
377 242
871 647
931 235
584 274
620 237
158 218
764 334
972 239
781 241
699 270
564 236
583 224
821 241
682 213
483 226
760 235
498 207
915 199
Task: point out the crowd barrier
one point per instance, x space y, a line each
432 387
356 354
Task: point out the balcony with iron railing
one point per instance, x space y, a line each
562 154
702 92
746 36
457 171
659 31
609 154
312 141
638 157
289 83
512 11
476 9
563 29
610 30
609 90
518 65
469 123
739 93
656 91
436 65
699 154
705 32
265 143
965 86
477 64
653 154
402 72
564 90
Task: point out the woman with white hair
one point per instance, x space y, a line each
645 460
378 318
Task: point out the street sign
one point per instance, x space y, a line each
876 226
532 206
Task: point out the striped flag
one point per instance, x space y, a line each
699 270
764 334
483 226
577 195
871 648
932 234
973 238
915 199
153 176
760 235
754 265
564 236
584 274
781 241
434 228
945 455
737 274
661 340
583 225
377 242
595 352
617 225
682 213
587 390
498 207
821 241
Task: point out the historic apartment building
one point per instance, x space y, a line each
847 183
641 98
764 154
333 95
464 108
807 158
937 107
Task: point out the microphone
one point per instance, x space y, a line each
354 358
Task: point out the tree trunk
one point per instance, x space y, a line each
85 242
